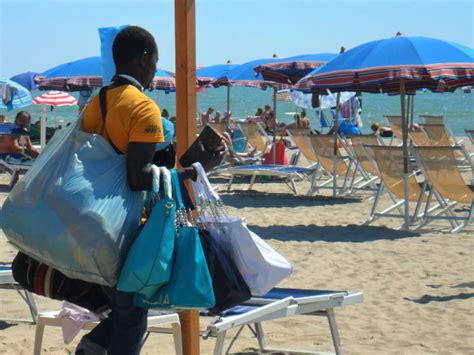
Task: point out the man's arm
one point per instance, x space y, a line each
139 161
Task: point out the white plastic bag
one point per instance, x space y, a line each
261 266
74 209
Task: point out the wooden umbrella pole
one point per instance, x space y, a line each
405 152
334 157
185 43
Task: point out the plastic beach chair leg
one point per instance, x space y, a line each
260 336
252 181
39 332
219 348
334 332
178 344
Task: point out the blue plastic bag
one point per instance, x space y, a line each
107 36
74 209
149 261
190 285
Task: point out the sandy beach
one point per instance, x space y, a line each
418 286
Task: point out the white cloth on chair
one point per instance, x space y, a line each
73 319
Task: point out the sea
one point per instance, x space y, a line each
457 107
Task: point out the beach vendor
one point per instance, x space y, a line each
134 127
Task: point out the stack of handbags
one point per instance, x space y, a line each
261 266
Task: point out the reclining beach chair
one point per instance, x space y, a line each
277 304
8 282
433 119
389 163
439 136
14 165
155 319
289 174
346 167
470 134
364 157
395 123
256 136
446 184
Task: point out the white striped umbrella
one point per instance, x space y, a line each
55 98
51 98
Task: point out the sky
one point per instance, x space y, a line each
37 35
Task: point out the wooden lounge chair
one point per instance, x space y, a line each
446 183
389 163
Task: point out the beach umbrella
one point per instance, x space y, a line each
51 98
205 75
397 65
86 74
13 95
292 69
26 79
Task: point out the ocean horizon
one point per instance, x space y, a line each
457 108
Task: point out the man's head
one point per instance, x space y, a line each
210 110
267 107
23 119
135 53
375 127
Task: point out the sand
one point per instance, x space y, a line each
418 286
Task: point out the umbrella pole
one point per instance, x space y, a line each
43 126
228 100
334 157
412 107
274 124
405 153
185 47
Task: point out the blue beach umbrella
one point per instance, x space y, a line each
396 65
86 74
13 95
210 73
27 80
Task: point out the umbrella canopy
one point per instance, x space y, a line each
55 98
292 69
26 80
13 95
244 75
86 74
205 75
378 66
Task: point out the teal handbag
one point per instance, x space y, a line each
190 285
149 261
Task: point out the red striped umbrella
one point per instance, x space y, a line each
55 98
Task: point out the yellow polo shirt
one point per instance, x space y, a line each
131 117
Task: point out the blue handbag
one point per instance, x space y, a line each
149 262
190 285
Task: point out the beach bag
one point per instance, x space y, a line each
261 266
74 209
148 263
44 280
228 284
280 155
190 285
